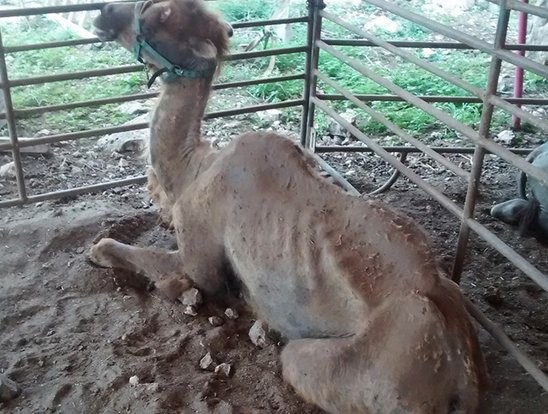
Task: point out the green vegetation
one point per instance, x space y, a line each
469 65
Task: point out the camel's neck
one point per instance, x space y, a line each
176 149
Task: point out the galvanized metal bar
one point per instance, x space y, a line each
73 75
519 261
92 40
440 115
505 55
21 113
527 8
12 127
389 158
410 150
433 98
34 11
74 191
51 45
429 45
272 22
479 153
527 363
393 127
329 41
71 136
135 68
314 32
515 110
25 112
468 87
518 72
336 175
265 53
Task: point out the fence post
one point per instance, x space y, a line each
312 56
12 127
479 152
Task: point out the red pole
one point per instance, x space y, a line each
518 73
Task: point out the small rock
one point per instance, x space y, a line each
41 363
80 250
223 408
7 170
206 362
493 296
231 313
224 368
122 163
191 297
134 380
215 320
505 137
257 334
189 310
8 389
153 387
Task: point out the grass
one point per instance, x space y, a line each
468 65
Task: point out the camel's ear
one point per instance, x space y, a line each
229 29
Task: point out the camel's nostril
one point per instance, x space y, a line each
454 406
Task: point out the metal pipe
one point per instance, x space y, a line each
433 98
527 8
393 127
410 57
74 191
519 261
479 153
455 34
314 33
12 127
440 115
142 125
336 175
430 45
497 333
518 72
265 53
33 11
73 75
136 68
92 40
414 177
410 150
21 113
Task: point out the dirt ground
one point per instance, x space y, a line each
73 334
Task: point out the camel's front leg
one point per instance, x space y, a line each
161 266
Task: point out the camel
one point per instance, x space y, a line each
529 213
372 323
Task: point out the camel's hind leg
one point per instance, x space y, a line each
317 370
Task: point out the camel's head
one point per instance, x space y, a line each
167 34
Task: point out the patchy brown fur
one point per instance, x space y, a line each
373 325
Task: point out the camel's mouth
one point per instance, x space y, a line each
105 35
